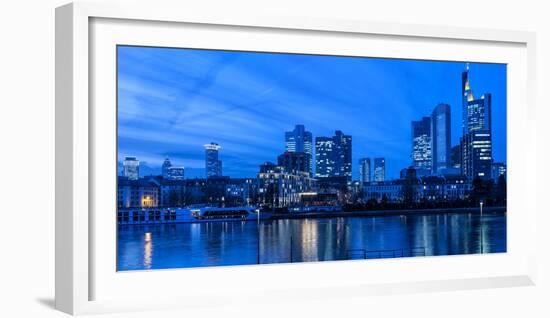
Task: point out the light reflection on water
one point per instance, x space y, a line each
306 240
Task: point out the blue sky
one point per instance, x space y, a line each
173 101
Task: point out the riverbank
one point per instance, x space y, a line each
305 215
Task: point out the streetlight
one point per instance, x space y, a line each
481 225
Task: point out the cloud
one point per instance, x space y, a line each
173 101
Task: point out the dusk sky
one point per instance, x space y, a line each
173 101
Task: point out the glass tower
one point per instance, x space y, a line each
333 156
441 138
422 144
324 158
364 170
300 140
131 168
213 165
175 173
379 169
476 141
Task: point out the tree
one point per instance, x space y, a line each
384 200
500 191
481 190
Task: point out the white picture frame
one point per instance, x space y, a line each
85 280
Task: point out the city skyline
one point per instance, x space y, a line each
253 132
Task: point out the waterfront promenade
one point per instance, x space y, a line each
303 215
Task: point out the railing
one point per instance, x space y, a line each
391 253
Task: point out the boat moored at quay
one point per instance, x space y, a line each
189 215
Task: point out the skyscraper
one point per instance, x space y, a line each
333 156
455 157
213 165
294 162
131 168
165 166
175 173
476 141
342 155
324 157
379 169
476 154
300 140
499 169
421 153
364 170
441 138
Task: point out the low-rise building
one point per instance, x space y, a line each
278 188
412 189
140 193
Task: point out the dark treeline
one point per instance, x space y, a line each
487 191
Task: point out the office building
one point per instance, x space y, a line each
131 168
165 166
477 158
476 141
175 173
499 169
364 170
455 157
333 156
324 158
213 165
421 153
441 138
379 169
294 162
277 188
300 140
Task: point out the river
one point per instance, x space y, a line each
183 245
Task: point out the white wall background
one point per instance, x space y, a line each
27 158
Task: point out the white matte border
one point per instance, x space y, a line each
139 285
111 288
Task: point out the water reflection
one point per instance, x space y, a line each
307 240
147 251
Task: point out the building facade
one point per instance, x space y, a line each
476 141
364 170
165 166
213 165
441 138
429 188
324 157
300 140
131 168
392 191
499 169
294 162
421 148
477 157
175 173
137 193
333 156
379 169
278 188
172 193
242 192
455 157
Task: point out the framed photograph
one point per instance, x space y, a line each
200 155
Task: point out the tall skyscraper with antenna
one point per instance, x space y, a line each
476 142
